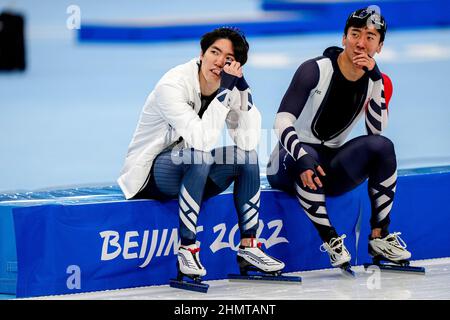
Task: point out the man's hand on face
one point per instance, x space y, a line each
362 60
234 68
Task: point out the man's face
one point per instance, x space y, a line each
362 40
214 59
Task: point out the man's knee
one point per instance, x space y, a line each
381 145
233 155
192 157
246 157
201 157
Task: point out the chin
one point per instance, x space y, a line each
214 79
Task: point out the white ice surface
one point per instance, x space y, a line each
318 284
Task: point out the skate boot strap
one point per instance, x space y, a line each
194 251
252 244
191 250
258 245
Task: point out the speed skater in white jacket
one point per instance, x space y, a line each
171 112
172 152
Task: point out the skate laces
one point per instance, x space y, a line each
395 240
336 244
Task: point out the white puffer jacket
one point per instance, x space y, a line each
171 111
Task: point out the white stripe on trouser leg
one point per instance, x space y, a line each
389 181
255 198
249 214
310 196
251 223
304 204
186 222
321 210
382 200
245 207
384 213
254 201
321 221
306 207
189 199
193 217
183 205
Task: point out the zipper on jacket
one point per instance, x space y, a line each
319 111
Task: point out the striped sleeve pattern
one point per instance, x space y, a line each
377 112
227 83
287 135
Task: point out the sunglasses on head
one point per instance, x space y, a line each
237 30
375 17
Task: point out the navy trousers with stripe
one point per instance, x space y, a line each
366 157
192 176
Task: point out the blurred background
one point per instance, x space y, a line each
69 109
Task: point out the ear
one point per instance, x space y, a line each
380 46
201 55
344 37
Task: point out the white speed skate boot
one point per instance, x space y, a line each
390 254
262 266
338 253
189 261
253 258
391 248
189 265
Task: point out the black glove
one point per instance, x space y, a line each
241 84
374 74
228 81
307 162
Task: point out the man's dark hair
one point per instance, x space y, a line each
365 17
236 36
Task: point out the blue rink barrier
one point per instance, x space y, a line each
82 240
281 17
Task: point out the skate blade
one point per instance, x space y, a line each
265 277
397 268
188 285
348 272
